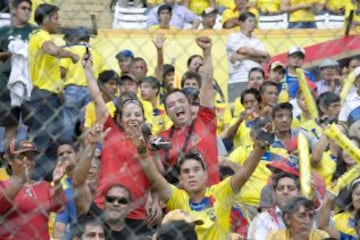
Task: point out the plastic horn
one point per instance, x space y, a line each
309 99
304 166
340 139
348 84
345 180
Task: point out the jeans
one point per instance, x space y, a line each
295 25
45 129
75 98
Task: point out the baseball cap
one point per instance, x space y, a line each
124 54
181 215
328 63
297 50
127 77
276 64
209 12
21 146
107 75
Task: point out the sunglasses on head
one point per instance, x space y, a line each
120 200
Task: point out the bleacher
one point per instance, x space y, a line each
4 19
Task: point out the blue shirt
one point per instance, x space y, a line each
293 83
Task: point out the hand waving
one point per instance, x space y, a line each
159 40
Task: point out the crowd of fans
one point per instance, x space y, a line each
96 153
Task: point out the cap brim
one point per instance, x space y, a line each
35 151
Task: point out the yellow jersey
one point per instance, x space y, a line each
214 209
90 114
198 6
326 168
44 68
338 4
75 72
267 5
238 107
251 191
345 223
223 115
226 3
284 234
302 15
233 13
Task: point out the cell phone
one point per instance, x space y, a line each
265 136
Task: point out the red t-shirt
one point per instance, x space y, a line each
203 138
119 165
27 216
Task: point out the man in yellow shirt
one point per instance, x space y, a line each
267 7
212 204
302 12
45 76
198 6
76 94
230 17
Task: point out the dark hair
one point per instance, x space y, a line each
325 99
245 15
154 83
281 106
192 58
341 167
282 175
107 75
168 68
192 154
73 144
252 91
267 84
256 69
123 99
118 185
78 228
357 58
16 3
44 10
190 75
293 204
176 230
164 7
226 171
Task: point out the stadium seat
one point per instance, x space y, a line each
5 19
273 22
129 18
328 21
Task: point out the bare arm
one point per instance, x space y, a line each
318 151
159 42
324 216
196 24
287 7
230 132
207 92
254 54
63 72
230 23
50 48
100 107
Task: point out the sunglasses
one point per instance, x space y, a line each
120 200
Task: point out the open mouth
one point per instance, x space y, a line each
180 114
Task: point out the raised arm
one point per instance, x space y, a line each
159 42
100 107
324 216
207 91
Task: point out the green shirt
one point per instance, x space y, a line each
5 33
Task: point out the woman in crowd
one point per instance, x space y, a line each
25 205
118 161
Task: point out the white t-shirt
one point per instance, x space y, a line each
239 71
351 102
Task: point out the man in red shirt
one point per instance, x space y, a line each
199 133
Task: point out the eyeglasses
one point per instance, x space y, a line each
29 155
120 200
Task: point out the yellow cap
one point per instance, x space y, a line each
181 215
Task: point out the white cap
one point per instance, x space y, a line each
296 49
